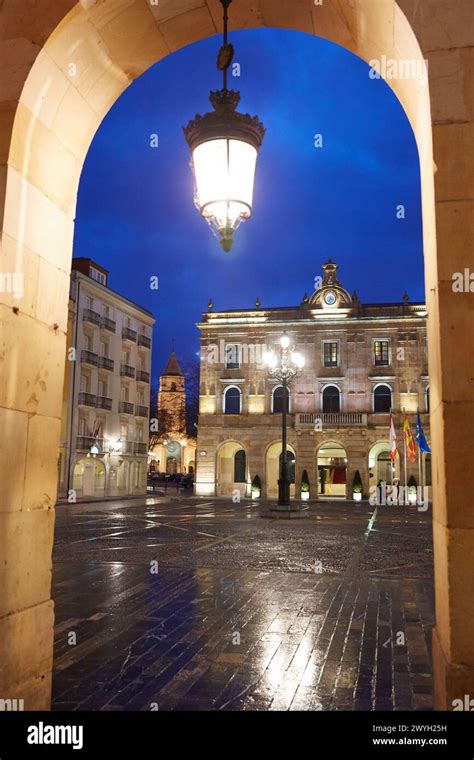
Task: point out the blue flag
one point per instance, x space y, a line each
420 436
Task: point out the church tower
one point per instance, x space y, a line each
172 399
172 450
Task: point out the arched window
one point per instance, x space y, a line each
290 463
278 399
240 461
382 399
232 399
331 399
427 399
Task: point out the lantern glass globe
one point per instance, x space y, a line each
298 359
270 359
284 341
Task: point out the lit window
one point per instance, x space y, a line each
381 353
330 354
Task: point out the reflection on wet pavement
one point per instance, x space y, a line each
204 605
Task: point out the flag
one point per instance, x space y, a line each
410 443
393 439
420 436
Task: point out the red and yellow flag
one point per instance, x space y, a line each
410 442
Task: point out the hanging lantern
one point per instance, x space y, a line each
224 146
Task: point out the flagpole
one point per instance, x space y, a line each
405 451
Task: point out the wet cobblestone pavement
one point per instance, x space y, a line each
333 612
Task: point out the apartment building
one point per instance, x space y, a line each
105 416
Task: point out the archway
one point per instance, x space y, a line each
232 469
380 464
272 469
51 110
89 477
331 470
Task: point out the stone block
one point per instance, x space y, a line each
35 375
35 220
25 559
26 654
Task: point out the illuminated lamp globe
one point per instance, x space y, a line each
224 145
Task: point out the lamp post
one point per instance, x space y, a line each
284 368
224 146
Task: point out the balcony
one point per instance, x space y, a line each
108 324
106 363
88 315
85 442
125 407
127 447
141 448
330 419
104 403
128 334
87 399
142 376
88 357
141 411
127 371
144 340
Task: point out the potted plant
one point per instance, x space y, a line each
412 488
357 486
304 486
256 487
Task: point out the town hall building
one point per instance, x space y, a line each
361 362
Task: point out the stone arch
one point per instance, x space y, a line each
225 469
331 477
49 116
376 469
272 467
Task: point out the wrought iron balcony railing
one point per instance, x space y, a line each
140 447
127 371
143 376
89 315
104 403
141 411
126 407
128 334
106 363
85 442
87 399
108 324
89 357
144 340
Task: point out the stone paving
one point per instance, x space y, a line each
193 604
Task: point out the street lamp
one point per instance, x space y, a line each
224 146
284 368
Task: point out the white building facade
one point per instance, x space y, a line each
105 420
361 361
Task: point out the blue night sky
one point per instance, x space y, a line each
135 212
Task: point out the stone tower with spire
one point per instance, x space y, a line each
172 399
172 449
